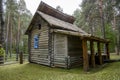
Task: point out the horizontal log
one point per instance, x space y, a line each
39 52
60 65
59 56
38 55
76 63
40 49
42 63
57 63
59 59
76 59
43 59
40 43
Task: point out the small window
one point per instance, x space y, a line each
36 41
39 26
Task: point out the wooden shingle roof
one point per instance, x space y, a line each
45 8
55 18
57 23
60 22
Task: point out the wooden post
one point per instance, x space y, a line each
99 53
92 54
85 55
107 51
29 47
21 58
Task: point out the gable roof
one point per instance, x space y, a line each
62 23
59 20
57 23
45 8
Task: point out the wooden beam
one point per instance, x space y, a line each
107 51
21 57
29 46
97 39
99 53
85 55
92 53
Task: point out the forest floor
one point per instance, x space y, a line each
29 71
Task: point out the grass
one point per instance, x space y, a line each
13 58
114 56
29 71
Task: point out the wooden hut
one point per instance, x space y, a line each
54 40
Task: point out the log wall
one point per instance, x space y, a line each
40 55
75 51
60 50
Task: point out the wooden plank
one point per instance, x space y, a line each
99 53
74 50
40 49
29 46
92 54
40 55
76 61
85 55
60 49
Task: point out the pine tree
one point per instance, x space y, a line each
1 23
95 20
17 19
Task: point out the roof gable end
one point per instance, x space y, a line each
43 7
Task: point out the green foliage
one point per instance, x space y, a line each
24 45
88 19
25 17
111 35
2 52
20 18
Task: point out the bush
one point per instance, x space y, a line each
2 52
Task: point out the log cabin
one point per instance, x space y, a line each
54 40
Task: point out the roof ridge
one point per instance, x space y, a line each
47 9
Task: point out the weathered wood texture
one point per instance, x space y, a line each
92 53
99 53
75 61
43 7
60 50
29 46
85 55
51 48
75 51
40 55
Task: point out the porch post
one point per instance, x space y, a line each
29 47
85 55
99 53
107 51
92 53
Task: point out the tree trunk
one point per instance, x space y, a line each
118 38
10 38
102 19
7 32
102 23
1 23
18 38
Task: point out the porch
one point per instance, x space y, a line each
94 57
